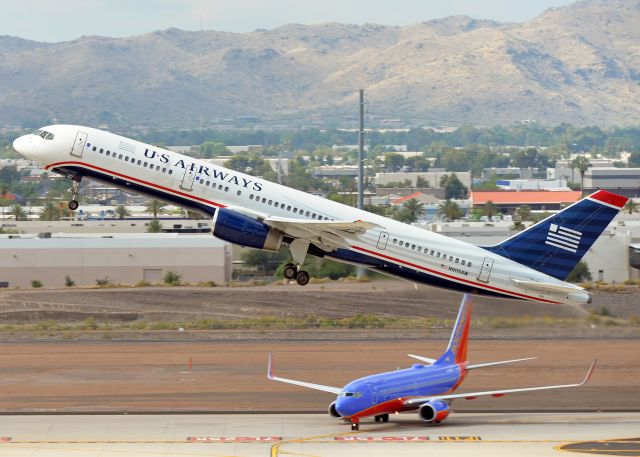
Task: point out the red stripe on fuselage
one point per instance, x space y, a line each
131 178
438 273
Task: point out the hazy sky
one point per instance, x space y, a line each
60 20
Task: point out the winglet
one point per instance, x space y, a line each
270 368
586 378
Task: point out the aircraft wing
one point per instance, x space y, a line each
547 287
491 364
308 385
495 393
329 233
423 359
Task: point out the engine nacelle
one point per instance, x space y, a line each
239 229
434 411
333 412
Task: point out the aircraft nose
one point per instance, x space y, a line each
25 146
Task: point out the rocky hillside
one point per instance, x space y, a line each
577 64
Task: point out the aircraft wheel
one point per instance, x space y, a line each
355 426
290 271
73 205
302 278
384 418
377 418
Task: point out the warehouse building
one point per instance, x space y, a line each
120 259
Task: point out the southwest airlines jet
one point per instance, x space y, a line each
427 388
252 212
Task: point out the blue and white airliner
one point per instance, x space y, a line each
428 388
252 212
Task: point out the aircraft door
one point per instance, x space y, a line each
188 178
78 145
373 391
382 241
485 271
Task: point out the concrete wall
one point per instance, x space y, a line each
124 260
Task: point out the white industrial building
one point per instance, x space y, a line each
123 258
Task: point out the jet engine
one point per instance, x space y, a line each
333 412
238 228
434 411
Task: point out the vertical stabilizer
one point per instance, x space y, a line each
457 350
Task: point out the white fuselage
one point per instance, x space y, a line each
392 247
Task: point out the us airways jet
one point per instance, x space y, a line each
428 388
252 212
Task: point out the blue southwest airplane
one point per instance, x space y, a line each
427 388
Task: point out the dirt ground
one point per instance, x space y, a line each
231 375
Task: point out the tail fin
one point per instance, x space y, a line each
457 350
555 245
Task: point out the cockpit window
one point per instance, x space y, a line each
44 134
351 394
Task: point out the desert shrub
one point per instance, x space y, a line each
68 282
36 284
142 283
106 281
172 278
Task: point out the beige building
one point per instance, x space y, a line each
125 259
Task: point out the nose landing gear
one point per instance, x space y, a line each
355 426
73 204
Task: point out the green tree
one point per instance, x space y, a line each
50 212
580 273
450 210
155 226
210 149
155 207
393 161
489 209
414 209
453 187
456 160
265 260
523 213
122 212
631 206
18 213
581 163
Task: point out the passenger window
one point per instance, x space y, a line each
139 161
239 193
395 241
108 152
270 201
170 172
226 189
145 164
401 243
282 206
431 253
164 170
126 158
413 246
288 207
463 262
419 248
307 213
457 260
437 254
313 216
295 210
120 157
220 187
450 258
250 196
208 183
157 167
94 150
469 265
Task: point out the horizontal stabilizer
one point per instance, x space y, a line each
495 393
491 364
424 359
547 287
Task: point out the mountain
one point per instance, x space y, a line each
578 64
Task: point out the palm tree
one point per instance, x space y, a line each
631 206
489 209
50 212
122 212
581 163
523 213
414 209
155 226
450 210
4 190
155 207
18 213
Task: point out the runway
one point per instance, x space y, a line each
307 435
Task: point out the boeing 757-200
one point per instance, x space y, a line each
427 388
252 212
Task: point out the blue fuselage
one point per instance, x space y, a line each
385 393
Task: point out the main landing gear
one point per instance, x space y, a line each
73 204
291 271
382 418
